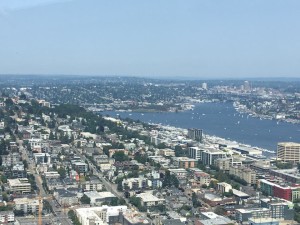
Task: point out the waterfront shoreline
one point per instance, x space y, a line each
212 139
242 109
222 120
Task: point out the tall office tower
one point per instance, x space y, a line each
195 152
195 134
288 152
204 86
247 86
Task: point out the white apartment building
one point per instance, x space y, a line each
134 183
19 185
149 200
244 173
167 152
27 205
224 187
92 185
7 217
11 159
35 143
97 198
203 178
195 152
98 215
41 158
288 152
210 156
180 173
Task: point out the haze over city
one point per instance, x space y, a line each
192 39
142 112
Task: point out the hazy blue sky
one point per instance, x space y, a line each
193 38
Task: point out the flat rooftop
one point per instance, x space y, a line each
135 217
247 210
239 193
18 182
147 197
95 194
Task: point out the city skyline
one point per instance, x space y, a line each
170 39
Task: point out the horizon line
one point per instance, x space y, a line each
160 77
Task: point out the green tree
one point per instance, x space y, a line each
25 164
114 202
195 201
3 179
3 147
47 206
179 151
120 156
141 158
170 180
5 197
51 136
136 201
161 146
119 184
284 165
212 184
64 138
73 217
122 201
62 172
161 208
23 96
220 210
85 200
201 166
9 102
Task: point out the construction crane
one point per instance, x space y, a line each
40 220
40 199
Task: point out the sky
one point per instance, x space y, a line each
151 38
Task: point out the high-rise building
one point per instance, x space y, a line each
204 86
247 86
209 156
195 153
288 152
280 209
195 134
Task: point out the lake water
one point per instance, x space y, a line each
222 120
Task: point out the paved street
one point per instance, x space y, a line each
108 185
59 217
32 169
